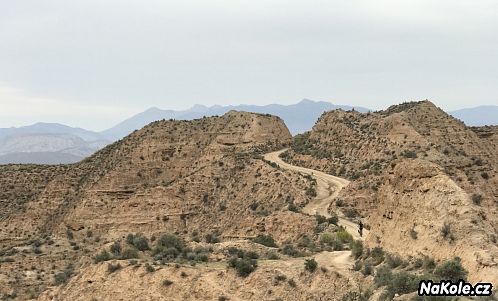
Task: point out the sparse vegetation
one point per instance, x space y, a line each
212 238
139 241
477 199
104 255
451 270
111 268
265 240
310 265
64 276
238 194
292 207
290 250
244 264
409 154
116 248
394 261
413 233
149 268
356 249
344 236
446 232
69 234
377 255
331 240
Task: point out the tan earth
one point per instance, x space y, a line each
414 171
218 183
328 188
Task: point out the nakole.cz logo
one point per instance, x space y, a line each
448 288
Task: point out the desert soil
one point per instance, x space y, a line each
328 188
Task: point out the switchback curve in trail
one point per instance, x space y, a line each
327 188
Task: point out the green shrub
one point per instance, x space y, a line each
358 264
201 257
311 191
402 283
446 232
351 212
377 254
243 266
394 261
477 199
357 249
329 239
418 263
367 268
171 241
272 256
149 268
409 154
333 219
292 207
116 248
212 238
429 264
265 240
103 256
310 265
168 247
167 282
129 253
139 241
69 234
305 242
64 276
344 236
251 255
320 219
280 277
111 268
195 236
383 276
413 233
290 250
291 283
451 270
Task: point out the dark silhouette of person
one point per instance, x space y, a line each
360 230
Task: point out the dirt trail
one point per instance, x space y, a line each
328 187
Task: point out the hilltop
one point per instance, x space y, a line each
424 182
202 180
299 117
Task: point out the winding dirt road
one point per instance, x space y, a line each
327 188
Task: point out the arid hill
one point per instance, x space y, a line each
423 182
203 180
207 210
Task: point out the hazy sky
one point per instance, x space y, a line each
92 63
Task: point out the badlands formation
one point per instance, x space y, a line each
235 208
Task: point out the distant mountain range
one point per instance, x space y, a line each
51 143
48 143
298 117
478 116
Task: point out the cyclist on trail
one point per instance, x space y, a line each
360 230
